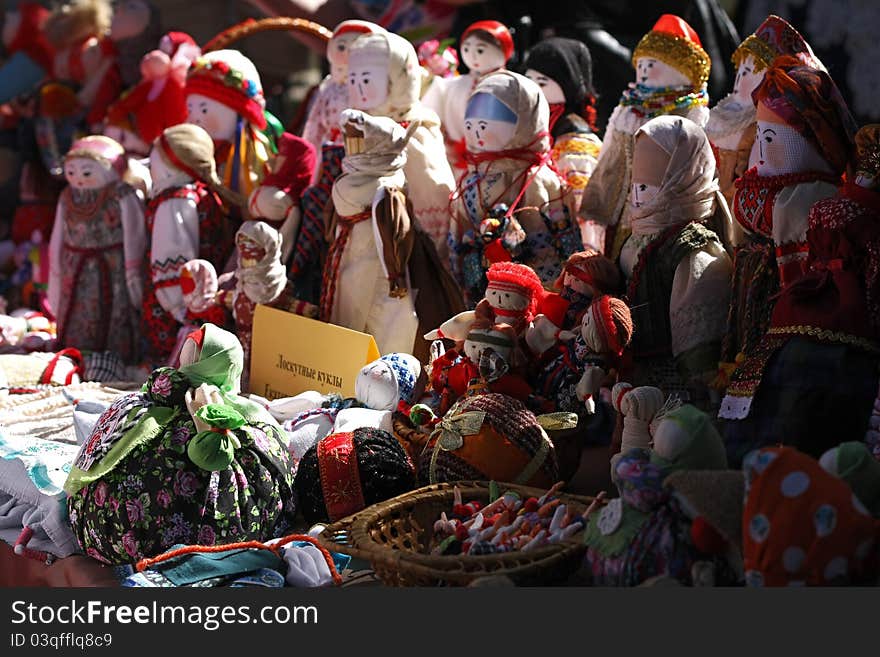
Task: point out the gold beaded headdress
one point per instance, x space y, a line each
675 43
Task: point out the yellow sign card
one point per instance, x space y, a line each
291 354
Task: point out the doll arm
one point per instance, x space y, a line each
54 286
134 238
175 241
698 310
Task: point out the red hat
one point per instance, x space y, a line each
674 42
773 38
171 41
146 117
355 27
498 31
295 172
519 278
230 78
30 38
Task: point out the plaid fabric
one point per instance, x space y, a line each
103 366
812 396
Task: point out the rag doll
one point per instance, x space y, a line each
384 79
510 204
185 221
185 460
96 253
583 363
224 95
331 96
677 271
563 69
28 53
276 200
486 46
365 278
671 74
804 139
826 321
648 531
731 126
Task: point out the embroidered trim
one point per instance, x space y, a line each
826 335
340 477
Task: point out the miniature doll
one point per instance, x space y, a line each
563 69
185 221
331 97
185 460
671 74
29 55
224 96
828 321
97 252
365 279
384 79
677 271
731 126
276 200
510 204
486 46
804 140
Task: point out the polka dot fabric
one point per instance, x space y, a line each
803 526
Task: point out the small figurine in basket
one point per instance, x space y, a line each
96 278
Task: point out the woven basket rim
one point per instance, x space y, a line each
444 567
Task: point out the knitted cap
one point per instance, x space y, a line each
592 268
100 148
520 278
189 148
498 31
775 37
230 78
613 321
407 370
675 43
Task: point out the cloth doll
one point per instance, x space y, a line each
331 96
570 381
671 74
586 275
677 271
563 69
731 126
853 462
276 200
510 204
185 220
647 531
827 321
185 460
365 278
224 95
29 55
804 141
803 525
486 47
28 329
96 252
348 471
379 57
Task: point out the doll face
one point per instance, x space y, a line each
649 165
132 144
571 281
746 80
652 72
473 347
552 91
160 171
337 55
368 83
130 18
489 124
481 56
217 119
505 299
249 252
85 173
376 386
588 332
189 353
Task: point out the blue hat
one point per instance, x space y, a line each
407 370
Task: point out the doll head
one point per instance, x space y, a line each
94 162
198 282
385 382
130 19
563 68
183 152
338 46
126 137
671 55
501 338
192 347
250 251
649 164
607 326
486 46
384 76
685 439
803 122
773 38
489 124
589 273
748 77
867 165
513 287
222 86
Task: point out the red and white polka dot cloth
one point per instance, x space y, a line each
804 526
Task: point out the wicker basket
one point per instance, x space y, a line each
396 537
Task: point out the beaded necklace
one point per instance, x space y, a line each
648 102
